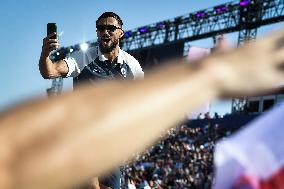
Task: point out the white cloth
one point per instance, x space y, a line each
131 186
79 59
257 150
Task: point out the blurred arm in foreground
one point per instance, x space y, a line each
55 143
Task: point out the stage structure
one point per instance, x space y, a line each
242 16
148 43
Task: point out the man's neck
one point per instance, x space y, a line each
111 56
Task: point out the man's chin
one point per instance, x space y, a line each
106 48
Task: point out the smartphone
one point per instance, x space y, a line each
51 28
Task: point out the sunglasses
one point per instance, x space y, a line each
110 28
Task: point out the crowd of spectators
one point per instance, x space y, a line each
184 159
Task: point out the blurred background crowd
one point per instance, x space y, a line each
183 159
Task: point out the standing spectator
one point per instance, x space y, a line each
103 62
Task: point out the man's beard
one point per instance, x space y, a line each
108 49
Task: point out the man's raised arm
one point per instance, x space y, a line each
47 68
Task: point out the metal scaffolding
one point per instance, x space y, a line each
226 18
248 32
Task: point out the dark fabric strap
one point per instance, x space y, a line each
103 70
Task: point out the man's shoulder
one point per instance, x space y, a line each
133 64
128 57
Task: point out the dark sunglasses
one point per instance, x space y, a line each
110 28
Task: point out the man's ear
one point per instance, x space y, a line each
121 34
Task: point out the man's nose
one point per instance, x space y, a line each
105 31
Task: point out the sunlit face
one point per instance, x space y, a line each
109 32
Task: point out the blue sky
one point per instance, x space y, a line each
23 26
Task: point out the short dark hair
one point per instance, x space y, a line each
110 14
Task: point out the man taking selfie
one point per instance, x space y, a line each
105 61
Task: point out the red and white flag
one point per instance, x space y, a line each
254 157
